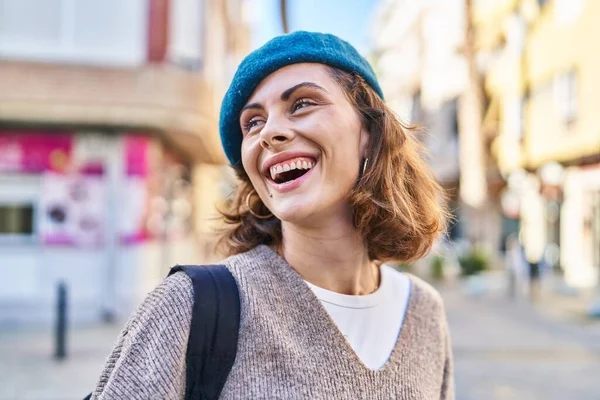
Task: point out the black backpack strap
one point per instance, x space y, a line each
212 343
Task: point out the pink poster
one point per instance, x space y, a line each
137 155
135 196
35 151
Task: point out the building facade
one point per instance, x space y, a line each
424 74
110 162
540 74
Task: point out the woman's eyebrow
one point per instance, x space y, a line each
253 106
286 95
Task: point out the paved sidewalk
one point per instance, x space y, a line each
29 372
507 350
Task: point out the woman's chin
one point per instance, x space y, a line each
294 214
291 216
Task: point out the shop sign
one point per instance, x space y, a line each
35 152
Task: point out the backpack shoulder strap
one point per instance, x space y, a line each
214 328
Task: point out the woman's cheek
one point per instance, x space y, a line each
250 156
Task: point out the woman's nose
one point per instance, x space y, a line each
275 133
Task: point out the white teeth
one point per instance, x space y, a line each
276 170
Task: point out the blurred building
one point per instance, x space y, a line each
540 74
418 53
109 150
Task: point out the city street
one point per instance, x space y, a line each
503 351
459 138
29 372
507 350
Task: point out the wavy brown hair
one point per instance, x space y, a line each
398 206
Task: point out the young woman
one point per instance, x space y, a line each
332 187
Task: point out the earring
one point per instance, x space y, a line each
364 168
252 212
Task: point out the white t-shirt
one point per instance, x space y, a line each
370 323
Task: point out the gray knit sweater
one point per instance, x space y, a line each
289 347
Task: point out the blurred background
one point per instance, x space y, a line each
111 171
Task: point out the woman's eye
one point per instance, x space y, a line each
248 126
301 104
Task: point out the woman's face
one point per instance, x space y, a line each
303 144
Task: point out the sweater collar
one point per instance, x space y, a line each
324 327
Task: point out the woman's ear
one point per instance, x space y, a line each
365 141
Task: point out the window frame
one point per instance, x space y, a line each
566 95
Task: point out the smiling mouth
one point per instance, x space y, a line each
290 170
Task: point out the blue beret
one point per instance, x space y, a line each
293 48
